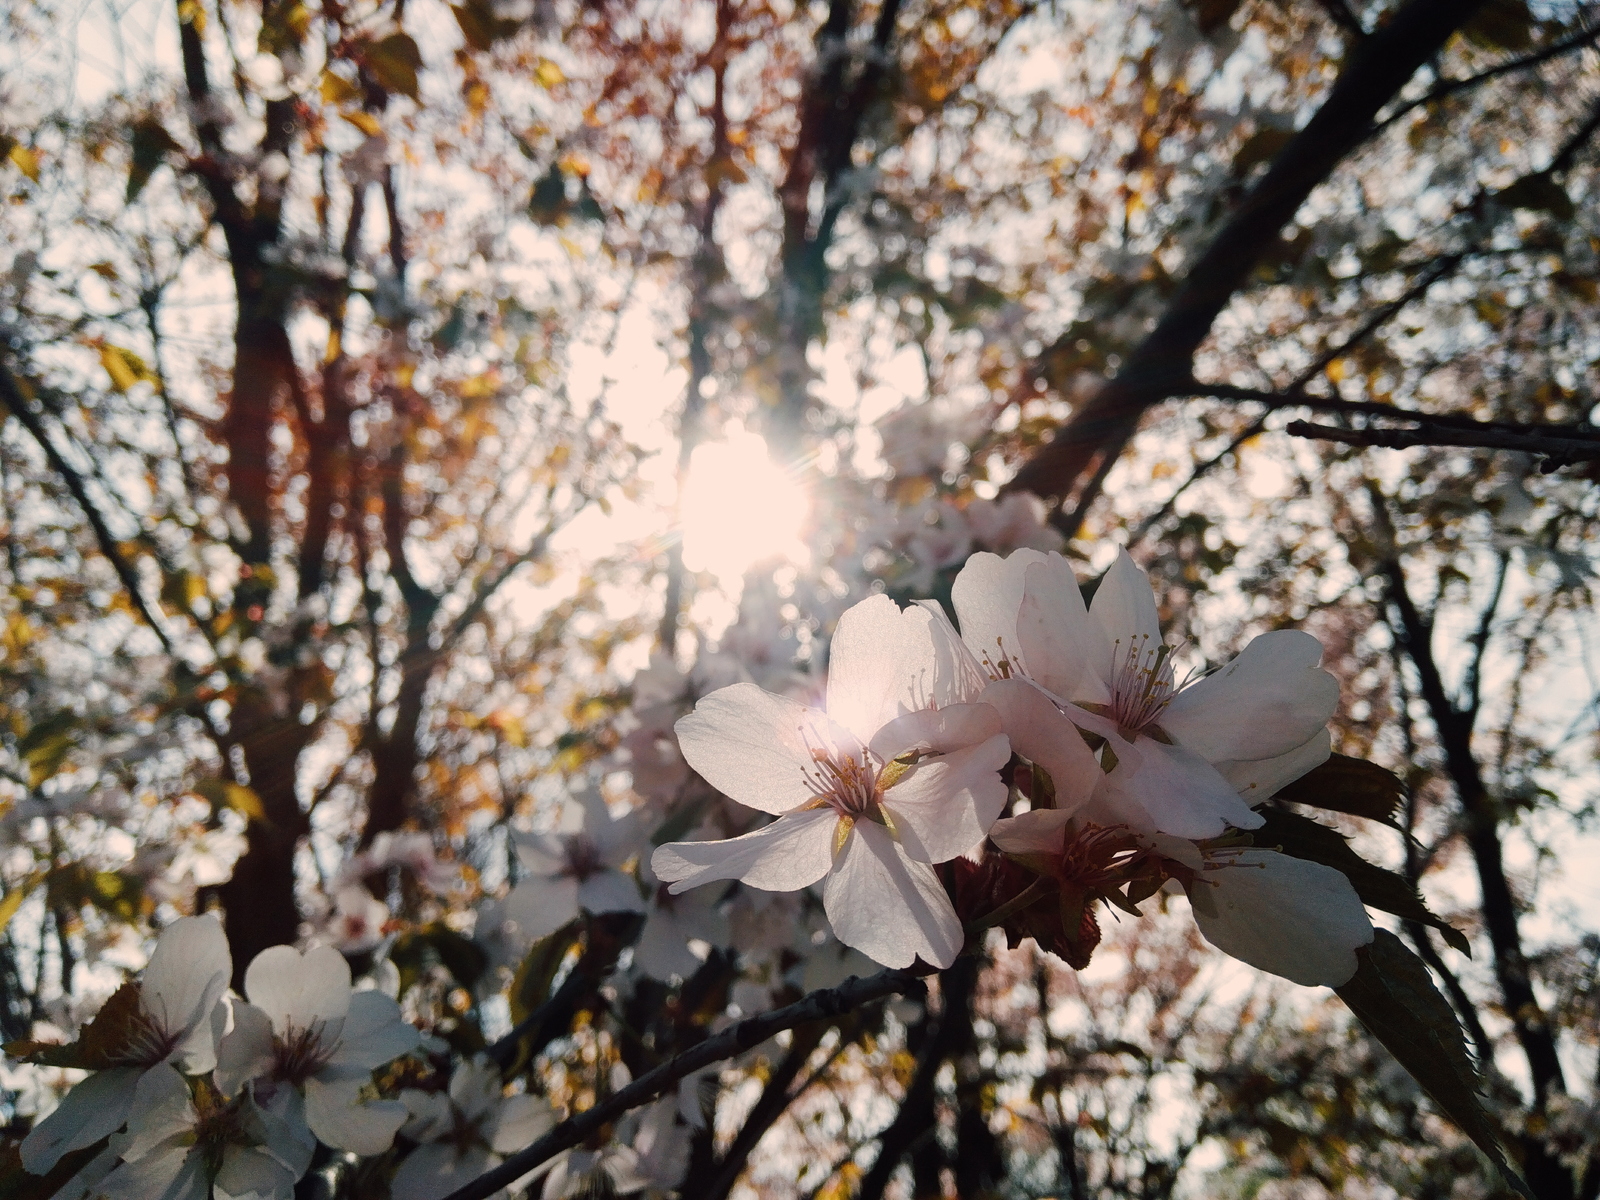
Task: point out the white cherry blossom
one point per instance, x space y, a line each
308 1045
199 1146
897 774
163 1019
1189 760
579 866
464 1132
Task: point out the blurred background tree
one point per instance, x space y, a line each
357 356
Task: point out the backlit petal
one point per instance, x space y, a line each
791 853
944 806
299 990
1297 919
1066 651
1180 792
186 976
1270 700
986 596
1125 607
1043 734
374 1032
889 906
1258 779
876 655
751 745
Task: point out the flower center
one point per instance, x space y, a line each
847 784
148 1041
301 1053
1142 683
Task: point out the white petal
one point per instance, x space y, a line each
793 852
888 906
751 745
170 1172
986 595
1258 779
610 891
542 904
541 854
374 1033
186 976
161 1110
433 1172
520 1120
1297 919
249 1171
299 990
1066 651
876 655
1125 607
1043 734
944 806
337 1116
937 730
1039 831
1268 701
87 1180
954 675
246 1052
97 1106
475 1087
1181 792
431 1115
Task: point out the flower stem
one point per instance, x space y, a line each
1035 891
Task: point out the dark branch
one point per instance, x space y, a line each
1560 449
818 1006
1379 67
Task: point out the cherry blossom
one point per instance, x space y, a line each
164 1018
307 1045
1187 760
579 866
893 776
197 1145
465 1131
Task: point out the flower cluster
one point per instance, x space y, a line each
1118 777
194 1092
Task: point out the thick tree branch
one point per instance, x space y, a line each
1560 449
1380 66
826 1004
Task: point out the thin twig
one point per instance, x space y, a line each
1565 448
819 1005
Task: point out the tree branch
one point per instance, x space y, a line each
1380 66
1560 450
11 393
818 1006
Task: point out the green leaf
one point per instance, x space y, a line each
1394 997
531 987
395 62
1351 786
1501 25
1538 192
150 143
1301 837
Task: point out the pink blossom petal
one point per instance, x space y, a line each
1270 700
1125 608
752 746
1066 650
1177 791
1297 919
1043 734
890 907
791 853
872 665
944 806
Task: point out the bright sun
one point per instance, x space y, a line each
740 508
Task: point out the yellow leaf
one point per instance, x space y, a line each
235 796
548 74
25 161
192 12
336 89
1337 370
125 367
13 899
364 121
